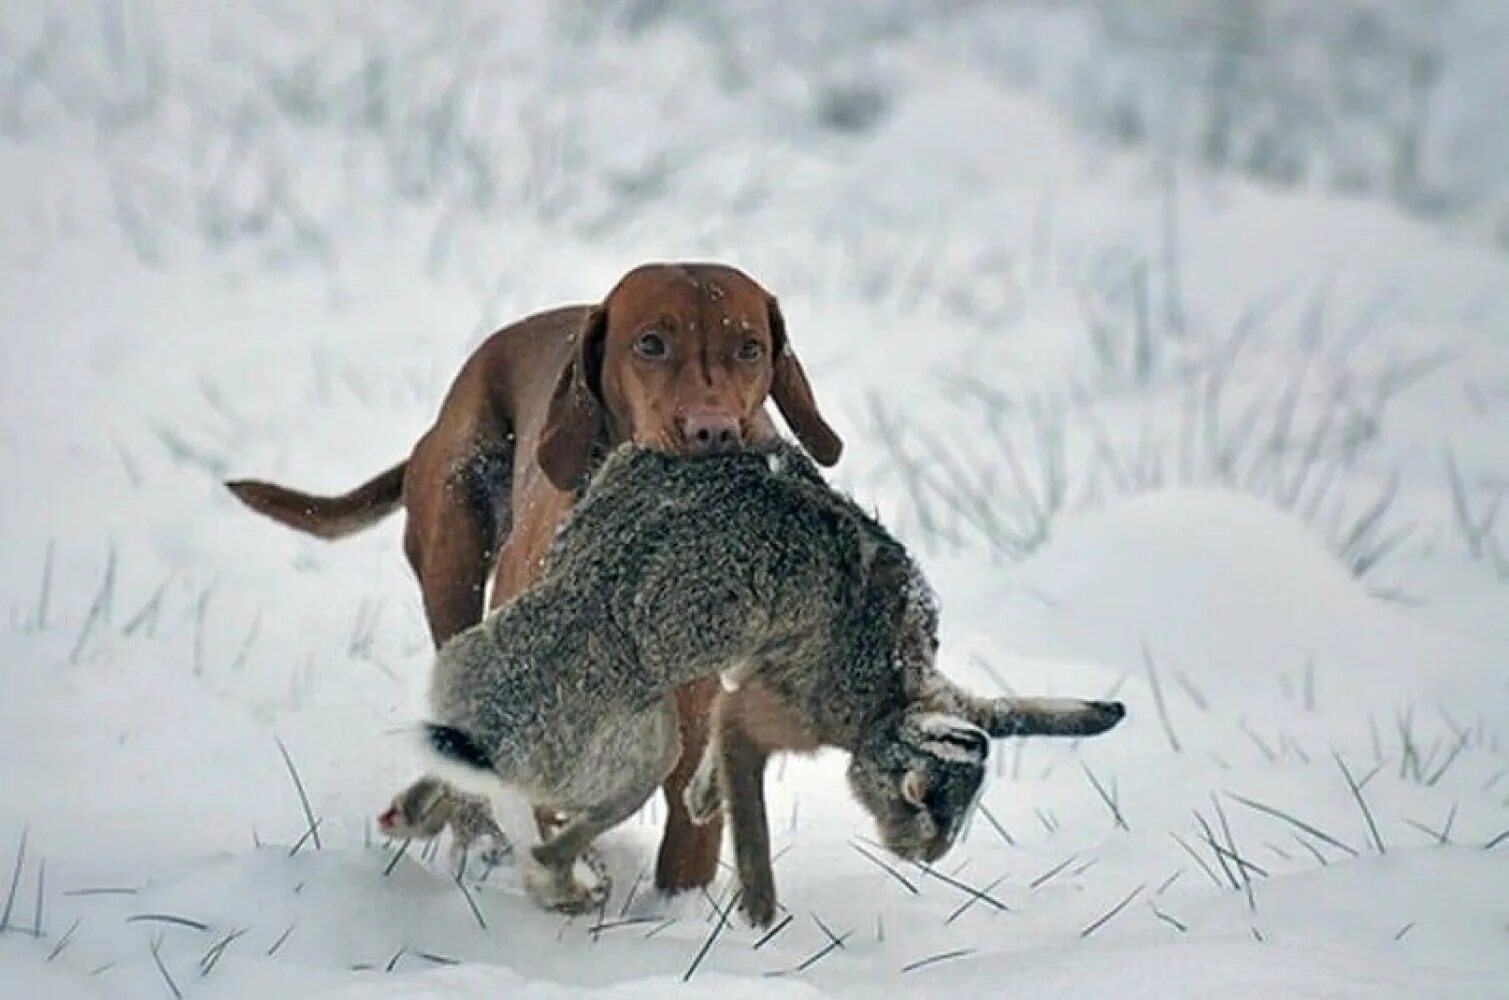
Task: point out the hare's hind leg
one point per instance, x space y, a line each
550 877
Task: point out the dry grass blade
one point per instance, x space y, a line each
298 785
1157 688
1362 804
36 924
823 952
964 906
273 950
99 610
935 959
1496 841
15 879
1242 864
168 918
102 890
1217 850
166 976
1294 821
211 957
598 928
470 902
996 825
1451 758
1169 919
397 855
1105 797
769 935
1106 917
393 962
888 869
1209 872
304 838
1051 873
629 898
57 949
713 936
964 887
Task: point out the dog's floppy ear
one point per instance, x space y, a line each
793 394
575 415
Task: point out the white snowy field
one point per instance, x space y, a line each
1235 453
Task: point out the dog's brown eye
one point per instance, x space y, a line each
650 346
750 350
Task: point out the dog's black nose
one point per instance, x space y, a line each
708 432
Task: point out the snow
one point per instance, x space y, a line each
260 272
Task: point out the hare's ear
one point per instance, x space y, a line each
574 418
1002 717
793 394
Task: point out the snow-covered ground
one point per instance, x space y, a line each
1234 453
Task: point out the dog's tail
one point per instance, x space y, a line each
456 747
325 517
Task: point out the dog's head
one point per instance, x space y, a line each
680 358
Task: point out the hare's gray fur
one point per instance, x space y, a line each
748 565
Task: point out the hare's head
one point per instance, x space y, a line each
920 774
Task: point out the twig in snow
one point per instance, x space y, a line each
298 785
15 879
99 609
963 886
1242 864
823 952
168 918
1051 873
769 935
1443 835
44 593
1105 797
167 978
971 901
1210 873
1294 821
304 838
888 869
717 929
57 949
1362 804
36 925
1152 677
996 825
1105 918
1172 921
934 959
279 942
471 903
211 957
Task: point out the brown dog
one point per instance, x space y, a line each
679 357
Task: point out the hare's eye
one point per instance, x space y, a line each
750 350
